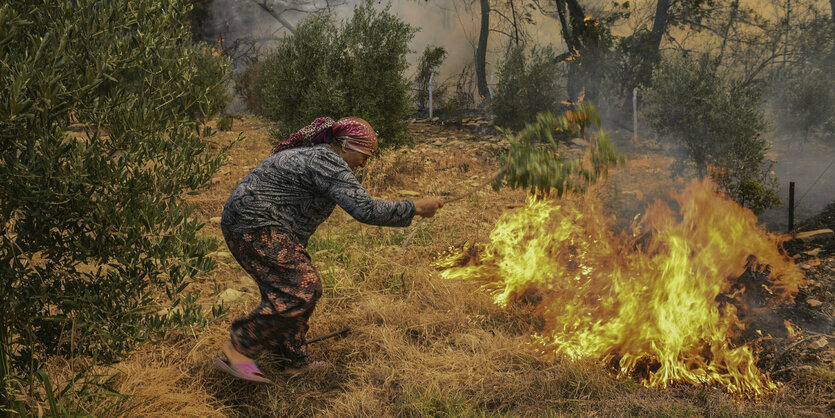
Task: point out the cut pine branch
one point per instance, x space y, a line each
535 162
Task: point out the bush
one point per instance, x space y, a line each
528 84
805 91
637 58
224 123
718 123
428 64
356 69
101 109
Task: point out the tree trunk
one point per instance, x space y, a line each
576 19
734 8
659 25
277 16
481 51
516 24
577 14
566 28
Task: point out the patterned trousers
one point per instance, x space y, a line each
289 288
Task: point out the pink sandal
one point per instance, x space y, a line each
246 370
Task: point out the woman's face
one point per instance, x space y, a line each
353 158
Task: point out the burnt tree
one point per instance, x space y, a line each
481 51
659 24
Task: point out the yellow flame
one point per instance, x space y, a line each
645 302
792 329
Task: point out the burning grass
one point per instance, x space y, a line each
650 302
419 344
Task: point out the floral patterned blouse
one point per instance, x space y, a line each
297 189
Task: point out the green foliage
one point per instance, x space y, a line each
718 123
428 64
224 123
542 169
528 84
805 91
354 69
637 59
102 106
300 77
84 394
210 74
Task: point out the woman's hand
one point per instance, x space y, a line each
427 206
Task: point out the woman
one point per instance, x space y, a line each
268 220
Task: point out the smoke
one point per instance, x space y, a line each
810 166
248 31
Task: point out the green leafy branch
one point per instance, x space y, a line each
535 162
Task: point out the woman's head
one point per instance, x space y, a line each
356 139
352 137
355 134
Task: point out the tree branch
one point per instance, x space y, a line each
277 16
561 57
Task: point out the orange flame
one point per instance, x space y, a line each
645 303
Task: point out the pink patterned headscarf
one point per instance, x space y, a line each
318 132
356 134
352 132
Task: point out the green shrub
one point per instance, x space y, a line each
528 84
353 69
224 123
428 64
719 125
102 106
637 58
805 91
245 87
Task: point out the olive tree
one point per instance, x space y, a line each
102 131
352 68
718 123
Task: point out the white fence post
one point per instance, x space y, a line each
431 75
635 115
490 85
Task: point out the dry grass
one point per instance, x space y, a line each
419 345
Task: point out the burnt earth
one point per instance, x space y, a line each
805 355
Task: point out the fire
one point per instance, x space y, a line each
647 302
